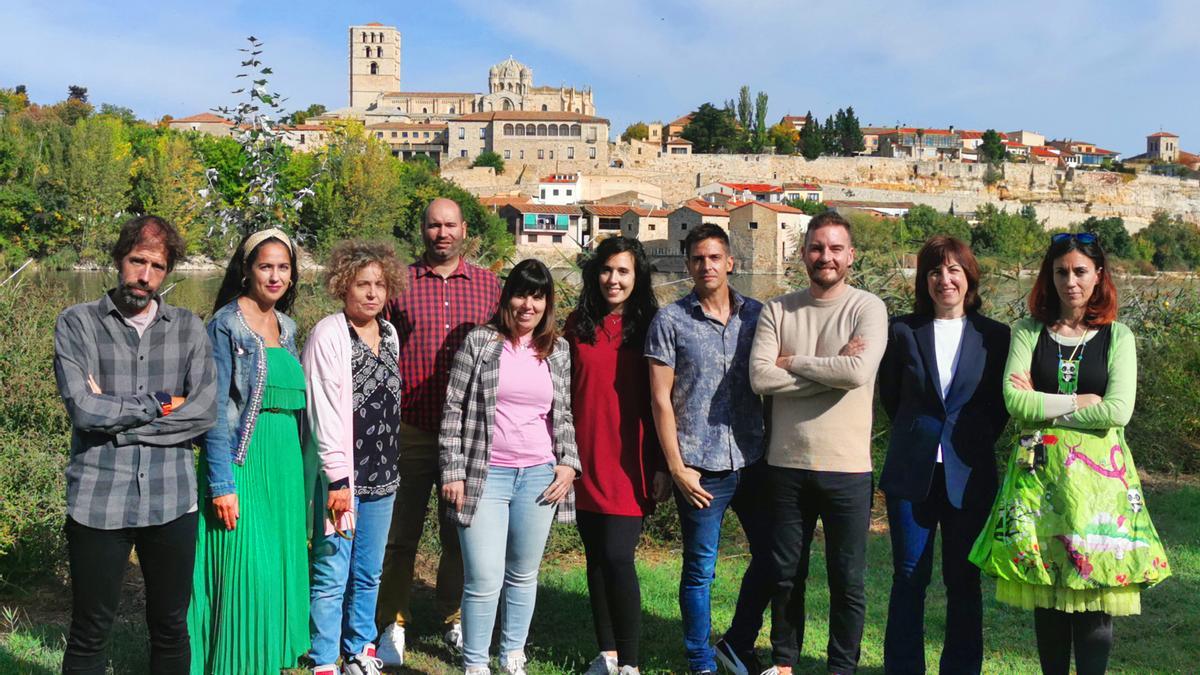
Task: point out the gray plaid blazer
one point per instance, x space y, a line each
465 441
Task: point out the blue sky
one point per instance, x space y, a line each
1106 71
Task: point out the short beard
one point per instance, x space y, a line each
127 299
812 278
453 252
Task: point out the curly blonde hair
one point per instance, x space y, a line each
350 257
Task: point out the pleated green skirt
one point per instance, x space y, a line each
249 611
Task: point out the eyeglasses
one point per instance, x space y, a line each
1085 238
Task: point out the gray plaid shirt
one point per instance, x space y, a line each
130 466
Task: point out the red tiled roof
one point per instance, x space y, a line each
704 208
1102 151
374 23
801 186
753 187
679 141
560 178
503 200
406 126
530 115
1187 158
793 118
1163 134
875 131
1014 144
778 208
1042 151
605 210
683 121
207 118
525 207
649 213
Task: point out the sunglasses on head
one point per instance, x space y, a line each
1086 238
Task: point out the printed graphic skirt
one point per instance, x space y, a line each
1072 531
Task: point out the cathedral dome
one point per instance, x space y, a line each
511 67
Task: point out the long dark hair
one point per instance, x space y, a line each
639 308
1044 303
234 284
528 277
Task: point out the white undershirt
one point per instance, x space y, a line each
947 346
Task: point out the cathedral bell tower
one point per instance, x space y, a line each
374 62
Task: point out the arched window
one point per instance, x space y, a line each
424 111
372 37
379 52
544 108
507 104
553 130
374 68
563 130
508 129
368 50
541 130
451 110
576 130
364 36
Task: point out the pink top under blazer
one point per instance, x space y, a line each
326 359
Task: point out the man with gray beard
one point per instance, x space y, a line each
138 381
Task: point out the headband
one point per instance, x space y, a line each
263 235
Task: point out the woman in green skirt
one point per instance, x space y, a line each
1070 536
249 611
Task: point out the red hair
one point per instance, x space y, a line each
1044 303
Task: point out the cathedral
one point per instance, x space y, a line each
376 95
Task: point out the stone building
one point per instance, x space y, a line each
765 236
374 62
205 123
411 140
530 135
1163 146
688 216
648 226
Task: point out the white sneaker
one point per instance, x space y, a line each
477 670
391 646
330 669
603 664
629 670
513 662
363 663
453 637
773 670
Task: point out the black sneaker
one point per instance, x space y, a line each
737 662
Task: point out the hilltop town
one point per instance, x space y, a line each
565 182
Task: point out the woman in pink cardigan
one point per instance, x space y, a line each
354 417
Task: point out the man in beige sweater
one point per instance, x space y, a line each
815 353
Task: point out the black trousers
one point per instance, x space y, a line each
842 501
609 543
98 559
1057 631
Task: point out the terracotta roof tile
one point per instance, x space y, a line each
605 210
778 208
704 208
753 187
650 213
207 118
525 207
1163 134
560 178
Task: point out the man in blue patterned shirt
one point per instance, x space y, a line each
139 384
710 424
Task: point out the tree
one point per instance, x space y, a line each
490 158
639 131
170 182
1113 236
991 150
809 207
711 130
830 140
783 137
758 140
745 113
98 168
850 137
811 142
120 112
77 93
1170 243
1010 236
923 221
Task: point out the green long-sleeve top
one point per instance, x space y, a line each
1028 407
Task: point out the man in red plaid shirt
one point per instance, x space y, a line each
446 297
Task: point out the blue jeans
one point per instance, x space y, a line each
345 582
502 550
913 528
742 490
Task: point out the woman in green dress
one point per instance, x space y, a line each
1070 536
249 611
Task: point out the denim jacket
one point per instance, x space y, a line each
240 356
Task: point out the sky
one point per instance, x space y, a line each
1105 71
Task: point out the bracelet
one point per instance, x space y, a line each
1074 402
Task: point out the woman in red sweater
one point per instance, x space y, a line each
623 469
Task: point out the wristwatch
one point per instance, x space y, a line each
164 402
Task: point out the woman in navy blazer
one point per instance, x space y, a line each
940 383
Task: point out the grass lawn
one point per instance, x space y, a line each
1164 639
